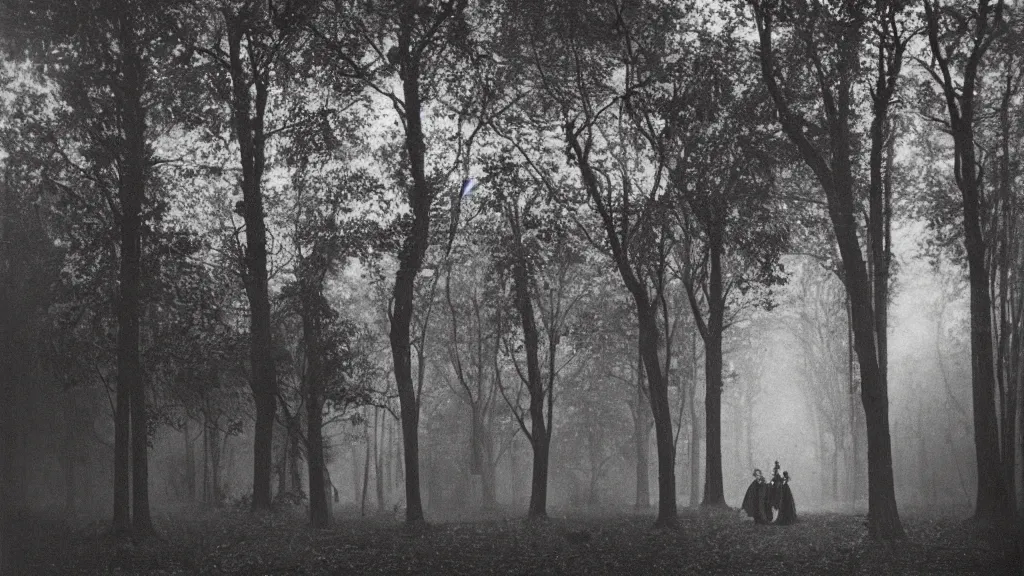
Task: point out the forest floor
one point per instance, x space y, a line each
236 542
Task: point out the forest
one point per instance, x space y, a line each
511 286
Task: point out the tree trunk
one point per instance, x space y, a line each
378 476
389 455
540 437
294 469
488 470
70 455
641 441
282 466
657 382
992 495
658 393
366 467
695 440
142 523
8 411
694 432
1008 355
213 450
410 259
131 192
190 465
319 506
9 384
834 172
883 517
714 491
206 460
249 131
354 457
992 498
836 452
854 430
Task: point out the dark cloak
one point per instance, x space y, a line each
755 502
787 506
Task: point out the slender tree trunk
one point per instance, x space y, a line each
714 490
1010 330
992 497
540 438
1020 447
488 468
389 455
70 455
836 452
354 457
695 458
414 246
694 431
657 382
282 466
190 464
206 459
249 131
216 450
658 393
883 517
399 469
641 441
319 507
855 464
142 523
122 460
378 476
366 467
294 467
319 503
8 391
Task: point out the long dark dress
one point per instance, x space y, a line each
787 506
755 502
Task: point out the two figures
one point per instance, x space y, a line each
762 496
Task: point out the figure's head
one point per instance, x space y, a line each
757 473
785 475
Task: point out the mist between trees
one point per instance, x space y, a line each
426 258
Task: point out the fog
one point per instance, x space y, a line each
786 397
338 267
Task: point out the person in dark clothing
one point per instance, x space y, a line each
755 501
787 506
775 488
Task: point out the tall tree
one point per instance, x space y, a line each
323 238
819 118
246 46
104 58
536 251
708 125
409 43
576 57
959 37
